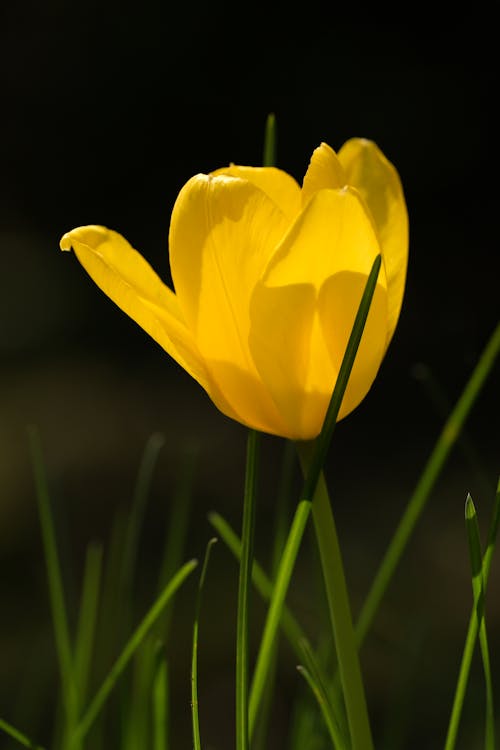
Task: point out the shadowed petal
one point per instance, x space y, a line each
370 172
338 304
303 311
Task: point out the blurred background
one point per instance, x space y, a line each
107 109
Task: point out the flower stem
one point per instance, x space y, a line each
242 729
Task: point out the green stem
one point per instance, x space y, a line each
242 719
418 500
340 616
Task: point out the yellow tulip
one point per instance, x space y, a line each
268 277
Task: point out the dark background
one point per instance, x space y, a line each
106 111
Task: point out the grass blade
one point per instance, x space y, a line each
175 537
276 607
131 647
135 519
476 560
333 729
160 706
315 680
194 659
420 496
18 736
242 650
269 155
472 631
87 618
56 591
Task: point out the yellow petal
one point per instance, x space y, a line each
284 341
278 185
303 311
338 304
123 274
368 170
324 171
222 233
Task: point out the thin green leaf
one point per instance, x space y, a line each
246 562
56 592
324 707
137 720
87 618
194 659
421 494
473 537
18 736
269 155
320 689
275 610
472 631
160 706
136 516
175 537
470 641
131 647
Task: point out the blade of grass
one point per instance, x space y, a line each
56 591
246 562
269 154
160 706
316 682
177 526
476 561
87 618
18 736
130 648
194 659
442 406
316 454
275 608
321 701
421 494
472 631
137 720
136 516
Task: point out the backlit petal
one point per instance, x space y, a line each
368 170
338 304
306 307
324 171
278 185
223 232
123 274
285 340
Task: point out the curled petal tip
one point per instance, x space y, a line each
65 243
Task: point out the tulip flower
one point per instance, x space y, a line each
268 277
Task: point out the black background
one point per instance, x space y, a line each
107 109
